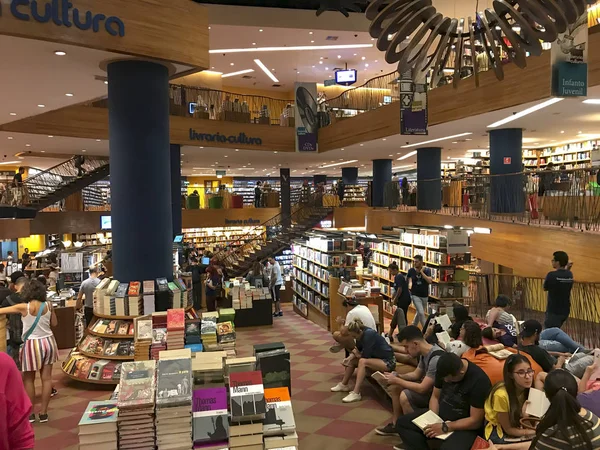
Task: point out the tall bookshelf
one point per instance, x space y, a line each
318 265
574 155
209 238
449 279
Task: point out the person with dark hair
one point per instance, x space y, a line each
498 313
461 315
275 283
412 390
341 190
504 334
459 395
371 352
404 191
15 325
504 406
257 194
342 336
197 272
401 299
566 425
419 279
589 388
256 275
25 258
87 289
213 287
558 284
39 351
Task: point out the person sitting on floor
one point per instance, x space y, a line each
371 352
504 406
551 339
566 425
412 390
342 337
499 314
504 334
589 388
458 397
461 315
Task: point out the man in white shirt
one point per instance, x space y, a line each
342 337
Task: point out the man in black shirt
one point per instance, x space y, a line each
257 194
419 278
15 324
25 258
401 299
530 339
459 395
197 271
558 283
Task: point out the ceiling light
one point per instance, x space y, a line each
27 145
339 56
366 64
408 155
436 140
468 139
43 151
362 145
6 163
384 139
69 95
355 54
402 167
41 106
320 62
254 43
525 112
592 101
98 140
339 164
10 138
237 149
455 142
84 150
274 152
292 48
312 42
310 32
106 82
50 136
260 30
265 70
579 132
12 114
562 132
232 64
226 156
363 58
239 72
60 53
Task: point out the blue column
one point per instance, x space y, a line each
350 175
429 180
319 179
140 174
286 200
176 188
382 174
506 165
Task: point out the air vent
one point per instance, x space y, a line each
332 38
276 85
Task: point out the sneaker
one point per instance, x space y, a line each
340 388
352 397
54 392
275 314
43 418
335 348
388 430
280 313
31 418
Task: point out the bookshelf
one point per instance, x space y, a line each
573 155
210 238
449 280
354 193
318 263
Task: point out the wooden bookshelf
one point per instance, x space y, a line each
112 358
85 380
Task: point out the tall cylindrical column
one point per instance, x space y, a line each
382 174
286 199
429 181
319 179
176 188
140 174
350 175
506 165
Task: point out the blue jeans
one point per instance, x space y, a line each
421 307
556 340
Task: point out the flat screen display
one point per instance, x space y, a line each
205 261
178 239
345 76
105 223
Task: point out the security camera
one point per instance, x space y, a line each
356 35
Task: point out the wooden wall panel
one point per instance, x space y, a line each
197 218
174 30
67 222
13 229
350 217
526 249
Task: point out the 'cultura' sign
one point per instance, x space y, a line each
223 139
62 13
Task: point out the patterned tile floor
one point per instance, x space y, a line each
323 422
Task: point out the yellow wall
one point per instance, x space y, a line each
35 243
197 183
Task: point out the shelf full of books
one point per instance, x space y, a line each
285 260
573 155
449 278
354 193
211 238
318 263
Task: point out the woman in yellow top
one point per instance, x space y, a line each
506 405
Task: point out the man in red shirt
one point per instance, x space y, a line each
16 433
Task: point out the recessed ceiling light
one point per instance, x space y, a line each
363 58
27 145
200 147
468 139
21 157
84 150
326 68
314 67
41 106
579 132
525 112
355 54
226 156
254 43
320 62
366 64
362 145
50 136
339 56
212 67
232 64
237 149
376 60
562 132
390 155
312 42
98 140
69 94
209 28
274 152
310 32
288 49
106 82
43 151
455 142
384 139
60 53
10 138
12 114
261 30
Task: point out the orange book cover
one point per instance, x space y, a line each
134 289
280 394
176 319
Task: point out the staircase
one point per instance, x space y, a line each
52 185
281 231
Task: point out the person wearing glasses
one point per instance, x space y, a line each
505 406
558 284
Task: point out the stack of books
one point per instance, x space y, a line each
98 426
175 329
208 369
248 410
236 365
227 315
99 294
120 295
273 360
159 334
148 297
136 397
109 298
279 427
208 328
210 418
174 403
143 338
226 334
133 305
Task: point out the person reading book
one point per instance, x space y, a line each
458 398
371 352
342 336
39 351
505 406
401 299
566 425
412 390
551 339
558 284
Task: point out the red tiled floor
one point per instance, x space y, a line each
319 411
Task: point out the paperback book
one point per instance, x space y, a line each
279 418
137 387
210 416
247 396
174 385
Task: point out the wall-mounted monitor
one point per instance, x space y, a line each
105 222
346 77
178 239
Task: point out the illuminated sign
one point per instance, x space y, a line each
345 77
223 139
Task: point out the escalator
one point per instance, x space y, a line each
51 186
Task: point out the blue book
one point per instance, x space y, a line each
195 348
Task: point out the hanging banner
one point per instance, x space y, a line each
307 123
569 56
413 106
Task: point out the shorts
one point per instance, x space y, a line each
37 353
505 439
390 363
416 400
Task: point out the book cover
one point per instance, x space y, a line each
226 332
112 327
176 319
99 413
134 289
101 326
117 372
279 418
162 284
112 288
210 414
123 348
108 370
110 349
123 327
159 336
86 367
137 385
275 367
247 396
174 384
97 368
122 289
148 287
144 329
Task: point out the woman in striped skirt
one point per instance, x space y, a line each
39 350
